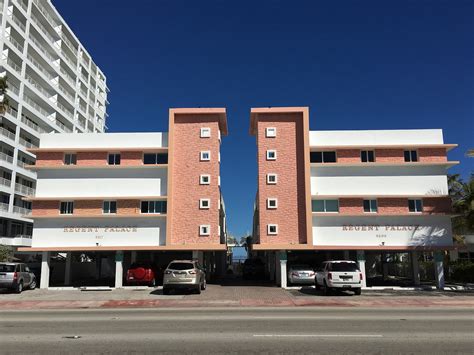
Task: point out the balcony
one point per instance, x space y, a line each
6 133
38 66
43 29
42 49
12 111
35 106
45 13
5 182
66 93
3 207
24 190
32 125
63 126
27 144
67 76
22 5
18 23
68 43
63 108
6 158
19 240
14 89
21 210
37 86
15 43
13 65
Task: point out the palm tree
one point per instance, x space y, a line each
462 194
3 95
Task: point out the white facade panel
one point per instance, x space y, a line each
394 231
104 140
375 137
102 182
93 232
403 181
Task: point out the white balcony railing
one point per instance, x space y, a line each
3 207
21 210
6 158
42 49
68 43
45 13
63 108
15 66
32 125
15 43
14 89
6 133
18 23
5 182
65 92
69 78
63 126
39 67
24 190
42 28
37 85
35 105
27 144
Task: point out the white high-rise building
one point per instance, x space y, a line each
53 86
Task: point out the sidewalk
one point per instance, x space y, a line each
228 296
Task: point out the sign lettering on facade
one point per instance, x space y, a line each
377 228
106 229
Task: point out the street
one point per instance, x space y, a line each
239 330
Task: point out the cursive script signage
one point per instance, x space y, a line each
106 229
377 228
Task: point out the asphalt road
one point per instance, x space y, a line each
239 330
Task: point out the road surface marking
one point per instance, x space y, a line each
319 335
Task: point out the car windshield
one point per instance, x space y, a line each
344 267
301 267
7 268
181 266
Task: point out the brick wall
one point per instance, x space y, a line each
437 205
351 206
92 158
389 155
290 189
49 158
432 155
348 156
45 208
186 169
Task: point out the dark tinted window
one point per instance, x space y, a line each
154 206
329 157
181 266
7 268
367 156
114 159
316 157
343 267
410 155
155 158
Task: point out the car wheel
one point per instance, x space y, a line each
357 291
204 285
19 287
33 284
198 289
166 291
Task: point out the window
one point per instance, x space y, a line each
322 157
204 203
270 132
415 206
370 206
205 132
155 158
272 203
109 207
205 155
204 229
325 205
367 156
70 159
114 159
271 154
272 179
153 206
205 179
410 155
272 229
66 207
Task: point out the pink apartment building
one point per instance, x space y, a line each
379 197
104 201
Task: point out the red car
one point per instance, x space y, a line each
142 274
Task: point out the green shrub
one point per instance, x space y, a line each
462 272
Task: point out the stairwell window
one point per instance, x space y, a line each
205 132
367 156
205 155
271 154
109 207
410 155
270 132
272 179
325 205
370 206
415 206
272 229
153 207
70 159
323 157
272 203
204 179
114 159
204 203
155 158
66 207
204 229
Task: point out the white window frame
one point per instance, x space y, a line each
269 226
203 202
370 205
269 182
208 152
270 132
415 199
269 151
108 201
67 204
271 200
202 232
205 132
70 154
202 178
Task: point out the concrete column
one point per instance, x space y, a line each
277 269
439 269
346 255
416 268
45 260
67 271
133 257
361 262
283 273
119 269
384 267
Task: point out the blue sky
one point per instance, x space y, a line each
356 64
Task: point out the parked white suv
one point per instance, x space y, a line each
339 274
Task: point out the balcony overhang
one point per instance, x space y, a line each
184 247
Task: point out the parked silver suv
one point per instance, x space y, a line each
184 274
16 276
